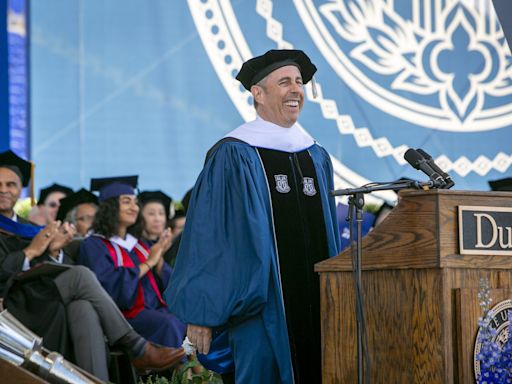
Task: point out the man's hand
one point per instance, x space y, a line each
201 337
62 238
41 241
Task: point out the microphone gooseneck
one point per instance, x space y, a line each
414 158
447 178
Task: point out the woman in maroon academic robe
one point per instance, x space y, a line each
131 272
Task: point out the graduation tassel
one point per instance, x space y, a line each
313 87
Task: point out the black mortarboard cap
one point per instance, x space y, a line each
501 184
22 168
45 192
258 67
151 196
114 186
82 196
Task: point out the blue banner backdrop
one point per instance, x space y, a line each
18 108
132 86
4 80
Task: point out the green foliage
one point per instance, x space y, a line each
178 205
371 207
23 207
185 375
156 380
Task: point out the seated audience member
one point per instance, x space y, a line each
155 211
49 199
79 209
177 225
179 218
131 272
69 301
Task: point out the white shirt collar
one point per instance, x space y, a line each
128 243
14 217
261 133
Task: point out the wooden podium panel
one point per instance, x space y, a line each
420 311
403 327
468 313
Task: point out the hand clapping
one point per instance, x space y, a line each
41 241
160 247
63 236
52 237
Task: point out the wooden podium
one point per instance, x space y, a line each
420 294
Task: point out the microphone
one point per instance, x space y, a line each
419 162
447 178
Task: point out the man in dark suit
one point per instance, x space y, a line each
62 298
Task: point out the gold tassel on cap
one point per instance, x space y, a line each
313 87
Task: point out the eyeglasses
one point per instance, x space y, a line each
85 218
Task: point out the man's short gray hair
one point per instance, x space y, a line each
71 216
263 84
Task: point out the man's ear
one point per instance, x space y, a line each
257 93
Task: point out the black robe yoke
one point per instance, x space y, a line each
301 242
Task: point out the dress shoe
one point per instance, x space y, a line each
157 358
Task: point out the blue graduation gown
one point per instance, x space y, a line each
227 274
154 322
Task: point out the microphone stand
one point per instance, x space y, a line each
356 203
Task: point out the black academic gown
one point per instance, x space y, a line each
36 303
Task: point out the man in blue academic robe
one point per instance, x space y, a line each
259 218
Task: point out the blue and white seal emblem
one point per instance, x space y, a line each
498 320
309 186
400 59
282 183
